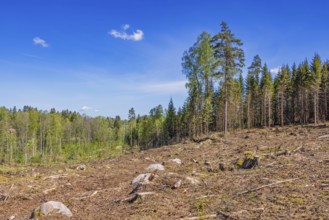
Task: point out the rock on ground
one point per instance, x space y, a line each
176 160
81 167
156 166
51 207
141 178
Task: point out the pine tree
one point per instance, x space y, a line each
315 84
131 118
294 93
230 57
170 121
266 90
283 77
324 91
253 93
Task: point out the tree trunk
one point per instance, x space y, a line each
315 109
282 118
248 112
225 104
325 103
269 111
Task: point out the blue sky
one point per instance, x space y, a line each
102 57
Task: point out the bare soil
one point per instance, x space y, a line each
291 181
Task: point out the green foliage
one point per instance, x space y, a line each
170 122
217 100
230 60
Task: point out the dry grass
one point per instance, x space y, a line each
100 191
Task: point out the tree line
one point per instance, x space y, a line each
30 135
219 99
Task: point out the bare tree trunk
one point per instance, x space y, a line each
225 104
248 112
264 111
269 111
315 109
282 118
325 103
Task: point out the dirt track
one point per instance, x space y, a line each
101 191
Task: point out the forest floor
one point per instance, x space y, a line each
291 181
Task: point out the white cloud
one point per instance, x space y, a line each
135 36
39 41
125 27
170 87
275 70
86 108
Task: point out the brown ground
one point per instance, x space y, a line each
101 191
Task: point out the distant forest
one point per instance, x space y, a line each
219 99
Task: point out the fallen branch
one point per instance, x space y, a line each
280 153
277 154
136 196
297 149
12 185
202 217
46 191
139 185
323 136
225 215
203 197
199 140
264 186
88 196
55 176
270 164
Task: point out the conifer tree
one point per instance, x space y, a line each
170 121
253 92
324 91
315 84
230 57
266 90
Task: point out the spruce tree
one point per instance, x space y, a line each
315 84
266 91
253 93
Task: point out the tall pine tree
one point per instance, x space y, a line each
230 57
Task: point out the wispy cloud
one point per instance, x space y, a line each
275 70
40 41
169 87
125 27
134 36
87 108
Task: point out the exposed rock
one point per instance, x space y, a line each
155 166
192 180
178 184
12 217
51 207
81 167
176 160
141 178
